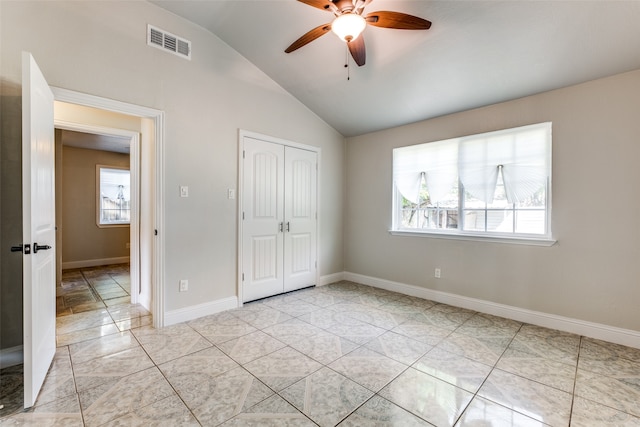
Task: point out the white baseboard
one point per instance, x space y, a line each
189 313
95 262
11 356
330 278
599 331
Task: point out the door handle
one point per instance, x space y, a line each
26 249
37 247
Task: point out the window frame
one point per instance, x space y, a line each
543 239
99 222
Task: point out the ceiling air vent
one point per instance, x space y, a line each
168 42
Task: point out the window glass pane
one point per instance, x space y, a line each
115 196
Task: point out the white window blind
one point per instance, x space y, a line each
500 180
521 155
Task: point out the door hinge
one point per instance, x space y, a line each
243 277
243 216
155 232
243 154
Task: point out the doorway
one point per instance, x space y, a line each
151 201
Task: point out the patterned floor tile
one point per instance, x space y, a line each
188 370
292 331
326 396
324 347
109 368
271 412
429 398
116 398
546 371
485 350
399 347
454 369
250 347
221 327
85 334
168 411
380 412
261 318
622 394
81 321
490 326
538 401
91 349
282 368
591 414
482 412
560 346
216 400
170 342
62 412
368 368
425 333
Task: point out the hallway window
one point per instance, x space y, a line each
114 195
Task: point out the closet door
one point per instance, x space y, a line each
300 216
263 224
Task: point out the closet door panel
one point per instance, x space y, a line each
300 218
263 201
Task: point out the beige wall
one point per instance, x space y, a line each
82 239
591 273
10 220
99 48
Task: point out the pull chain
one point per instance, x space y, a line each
346 63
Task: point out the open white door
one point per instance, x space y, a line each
38 213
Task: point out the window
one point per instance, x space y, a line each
114 195
494 184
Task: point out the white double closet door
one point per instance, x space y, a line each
279 225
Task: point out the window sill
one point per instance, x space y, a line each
477 238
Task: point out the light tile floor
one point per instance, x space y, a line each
343 354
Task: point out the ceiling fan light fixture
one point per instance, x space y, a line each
348 26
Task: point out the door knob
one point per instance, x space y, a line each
37 247
21 248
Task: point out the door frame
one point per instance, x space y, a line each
157 192
241 136
134 168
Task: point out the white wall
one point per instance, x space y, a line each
82 239
593 271
100 48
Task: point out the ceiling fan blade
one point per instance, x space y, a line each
358 52
321 4
308 37
398 20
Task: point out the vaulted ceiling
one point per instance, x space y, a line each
476 53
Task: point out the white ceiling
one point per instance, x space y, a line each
90 141
476 53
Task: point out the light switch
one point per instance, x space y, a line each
184 191
231 194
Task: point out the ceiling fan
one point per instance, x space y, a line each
349 22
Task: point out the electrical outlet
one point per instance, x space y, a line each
437 273
184 285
